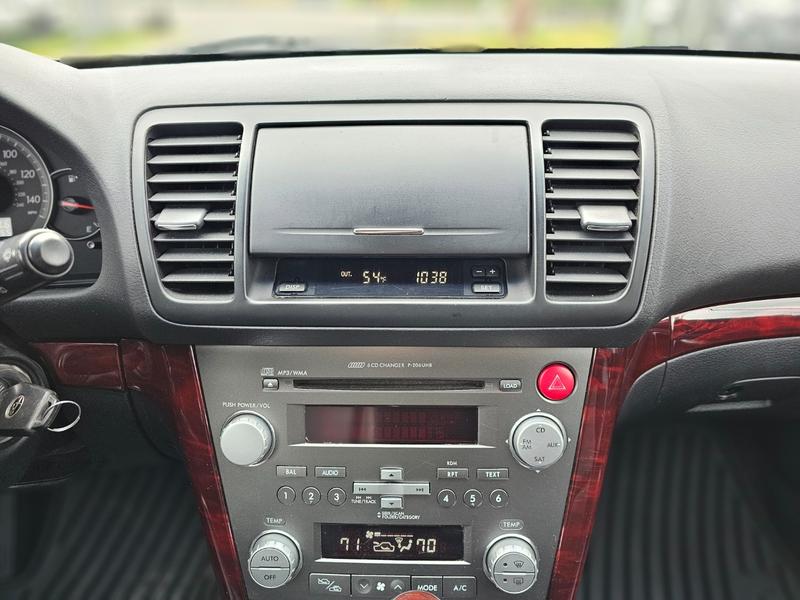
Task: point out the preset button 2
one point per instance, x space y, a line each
473 498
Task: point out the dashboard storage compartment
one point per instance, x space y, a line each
396 190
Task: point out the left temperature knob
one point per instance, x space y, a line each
247 439
275 559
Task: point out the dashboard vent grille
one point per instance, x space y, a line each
192 173
592 193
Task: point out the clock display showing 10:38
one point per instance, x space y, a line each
422 277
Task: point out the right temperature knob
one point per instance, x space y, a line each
538 441
511 564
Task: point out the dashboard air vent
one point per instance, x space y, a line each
192 172
592 193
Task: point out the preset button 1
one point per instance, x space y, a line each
286 495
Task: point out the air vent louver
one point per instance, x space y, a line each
592 193
192 172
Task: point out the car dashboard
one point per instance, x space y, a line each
466 266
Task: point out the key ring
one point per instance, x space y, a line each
49 411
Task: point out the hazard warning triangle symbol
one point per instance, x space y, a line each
556 385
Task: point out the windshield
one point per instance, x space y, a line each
96 28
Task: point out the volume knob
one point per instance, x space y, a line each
511 564
275 559
247 439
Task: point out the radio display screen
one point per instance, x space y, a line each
392 542
326 424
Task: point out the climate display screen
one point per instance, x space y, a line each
391 424
392 542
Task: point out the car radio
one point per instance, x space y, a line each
368 472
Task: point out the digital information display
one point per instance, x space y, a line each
392 542
384 277
6 227
391 424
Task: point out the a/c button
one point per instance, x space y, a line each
459 587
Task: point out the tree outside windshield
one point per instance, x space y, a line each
76 28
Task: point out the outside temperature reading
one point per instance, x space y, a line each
393 542
423 277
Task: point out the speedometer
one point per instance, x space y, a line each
26 190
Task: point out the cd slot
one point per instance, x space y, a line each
389 384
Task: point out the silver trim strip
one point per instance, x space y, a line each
389 230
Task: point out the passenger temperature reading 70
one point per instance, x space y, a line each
358 542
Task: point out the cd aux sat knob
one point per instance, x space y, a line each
538 441
511 564
247 439
275 559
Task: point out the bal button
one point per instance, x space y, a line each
556 382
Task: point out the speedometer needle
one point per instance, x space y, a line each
73 204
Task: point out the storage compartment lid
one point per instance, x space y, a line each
391 190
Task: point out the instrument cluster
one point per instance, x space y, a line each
34 195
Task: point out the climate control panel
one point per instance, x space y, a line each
374 472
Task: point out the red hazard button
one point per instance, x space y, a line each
556 382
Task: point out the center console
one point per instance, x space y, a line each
357 470
367 472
